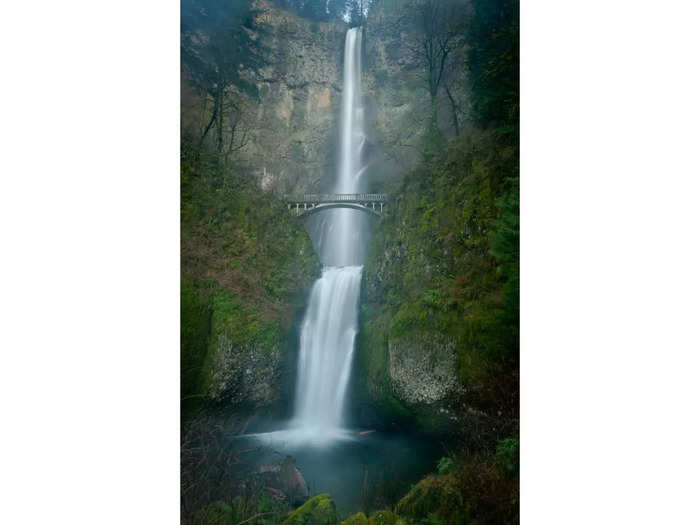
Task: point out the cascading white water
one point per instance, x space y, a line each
326 347
329 327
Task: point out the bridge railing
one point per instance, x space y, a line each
337 197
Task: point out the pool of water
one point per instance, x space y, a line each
361 470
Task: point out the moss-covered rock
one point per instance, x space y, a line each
244 353
356 519
436 497
319 510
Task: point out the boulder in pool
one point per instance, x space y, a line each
285 477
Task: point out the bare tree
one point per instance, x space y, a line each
452 78
221 53
439 33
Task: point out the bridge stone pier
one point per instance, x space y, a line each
305 205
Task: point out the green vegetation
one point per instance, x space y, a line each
263 511
356 519
445 260
218 513
434 497
508 455
445 464
246 266
443 275
319 510
384 517
478 489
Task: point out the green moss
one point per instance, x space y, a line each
241 325
384 517
195 316
436 496
319 510
508 454
356 519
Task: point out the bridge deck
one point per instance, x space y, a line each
310 203
336 197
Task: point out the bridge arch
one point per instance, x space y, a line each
347 205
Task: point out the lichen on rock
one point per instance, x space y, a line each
243 372
423 367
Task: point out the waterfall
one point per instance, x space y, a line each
326 347
328 331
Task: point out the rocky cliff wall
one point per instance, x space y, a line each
287 135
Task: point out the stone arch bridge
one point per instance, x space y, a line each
309 204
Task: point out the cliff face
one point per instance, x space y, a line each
397 99
285 137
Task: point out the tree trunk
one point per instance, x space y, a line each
220 124
214 114
455 120
433 111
